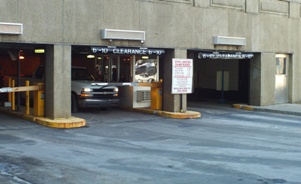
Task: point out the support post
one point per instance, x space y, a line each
58 80
9 85
38 105
172 102
27 103
13 105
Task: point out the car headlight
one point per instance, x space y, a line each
115 89
87 90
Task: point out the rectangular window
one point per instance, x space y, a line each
146 69
280 64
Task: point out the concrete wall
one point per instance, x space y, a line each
168 24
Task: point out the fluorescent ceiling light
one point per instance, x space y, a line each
116 34
144 57
226 40
280 55
39 51
90 56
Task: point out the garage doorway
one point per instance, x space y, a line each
113 68
207 69
19 60
281 82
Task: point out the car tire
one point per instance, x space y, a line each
74 103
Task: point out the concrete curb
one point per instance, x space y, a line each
248 108
278 111
244 107
262 109
237 106
71 122
62 123
175 115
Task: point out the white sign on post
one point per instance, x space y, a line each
182 73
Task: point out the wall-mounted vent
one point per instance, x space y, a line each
116 34
143 96
11 28
226 40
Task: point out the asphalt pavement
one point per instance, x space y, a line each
225 146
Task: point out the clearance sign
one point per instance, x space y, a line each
182 73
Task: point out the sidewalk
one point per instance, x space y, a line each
291 109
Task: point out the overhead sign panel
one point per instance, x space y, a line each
225 55
131 51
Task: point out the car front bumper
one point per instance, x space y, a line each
93 102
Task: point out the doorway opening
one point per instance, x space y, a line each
209 72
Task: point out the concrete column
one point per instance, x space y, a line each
58 81
172 103
262 79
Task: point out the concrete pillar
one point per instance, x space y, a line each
262 79
172 103
58 81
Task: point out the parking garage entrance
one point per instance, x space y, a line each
18 60
221 76
122 67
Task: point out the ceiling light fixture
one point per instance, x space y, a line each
90 56
280 55
39 51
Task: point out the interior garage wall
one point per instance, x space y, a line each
27 65
206 70
83 61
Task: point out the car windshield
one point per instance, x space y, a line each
81 74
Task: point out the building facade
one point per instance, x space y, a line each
253 45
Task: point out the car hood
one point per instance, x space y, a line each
79 84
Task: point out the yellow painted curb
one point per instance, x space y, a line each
175 115
248 108
61 122
71 122
237 106
180 115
